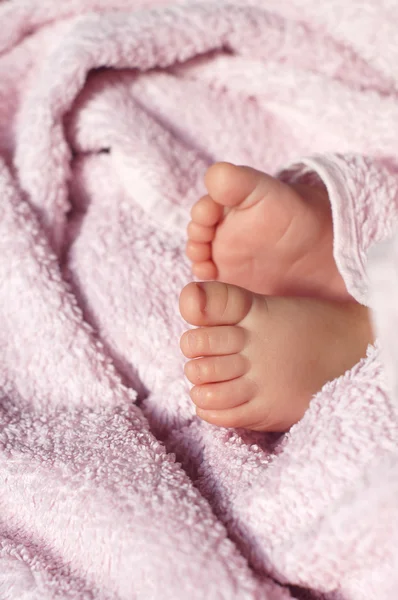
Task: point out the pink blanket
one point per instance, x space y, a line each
110 487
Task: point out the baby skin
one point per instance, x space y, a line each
275 323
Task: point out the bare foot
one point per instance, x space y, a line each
256 232
257 361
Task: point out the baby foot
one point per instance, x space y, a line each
256 232
257 361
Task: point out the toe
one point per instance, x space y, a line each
213 341
206 212
214 303
230 185
198 252
246 415
216 368
224 395
200 233
230 417
205 270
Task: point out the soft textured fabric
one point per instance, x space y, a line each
110 487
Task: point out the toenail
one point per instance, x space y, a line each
198 341
193 371
198 392
202 297
201 395
190 340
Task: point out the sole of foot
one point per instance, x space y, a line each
257 232
256 362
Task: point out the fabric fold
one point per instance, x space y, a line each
364 199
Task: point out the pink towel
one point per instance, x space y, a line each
110 487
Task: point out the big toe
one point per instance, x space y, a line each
235 186
214 303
